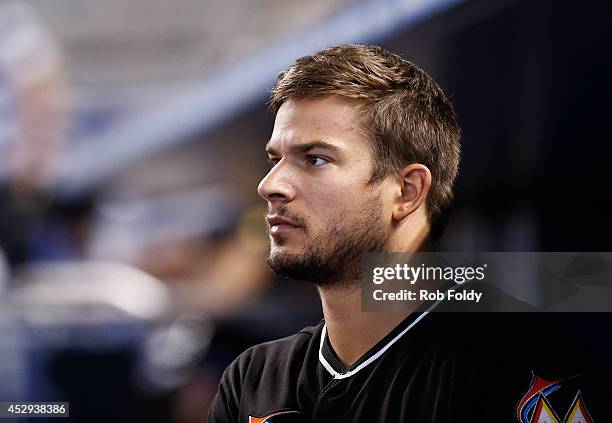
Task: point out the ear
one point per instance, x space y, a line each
414 181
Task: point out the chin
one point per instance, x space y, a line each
283 252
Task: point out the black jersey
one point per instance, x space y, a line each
433 367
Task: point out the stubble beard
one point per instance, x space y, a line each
332 259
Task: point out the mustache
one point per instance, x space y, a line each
283 211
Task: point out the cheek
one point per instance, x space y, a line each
333 203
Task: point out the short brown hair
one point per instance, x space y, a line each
407 117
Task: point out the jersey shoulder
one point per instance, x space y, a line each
276 354
279 360
282 348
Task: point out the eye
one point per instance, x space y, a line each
316 161
272 162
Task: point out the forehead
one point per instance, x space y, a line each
329 119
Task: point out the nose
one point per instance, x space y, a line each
276 185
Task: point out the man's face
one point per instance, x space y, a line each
323 212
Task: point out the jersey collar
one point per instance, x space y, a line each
334 367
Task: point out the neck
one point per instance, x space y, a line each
353 332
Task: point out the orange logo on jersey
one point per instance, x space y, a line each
277 416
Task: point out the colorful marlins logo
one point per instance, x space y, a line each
536 405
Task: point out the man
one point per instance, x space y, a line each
364 153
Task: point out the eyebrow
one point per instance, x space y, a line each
305 147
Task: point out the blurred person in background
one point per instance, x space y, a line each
33 119
46 297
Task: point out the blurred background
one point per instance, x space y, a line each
132 133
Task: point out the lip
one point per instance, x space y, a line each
279 224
